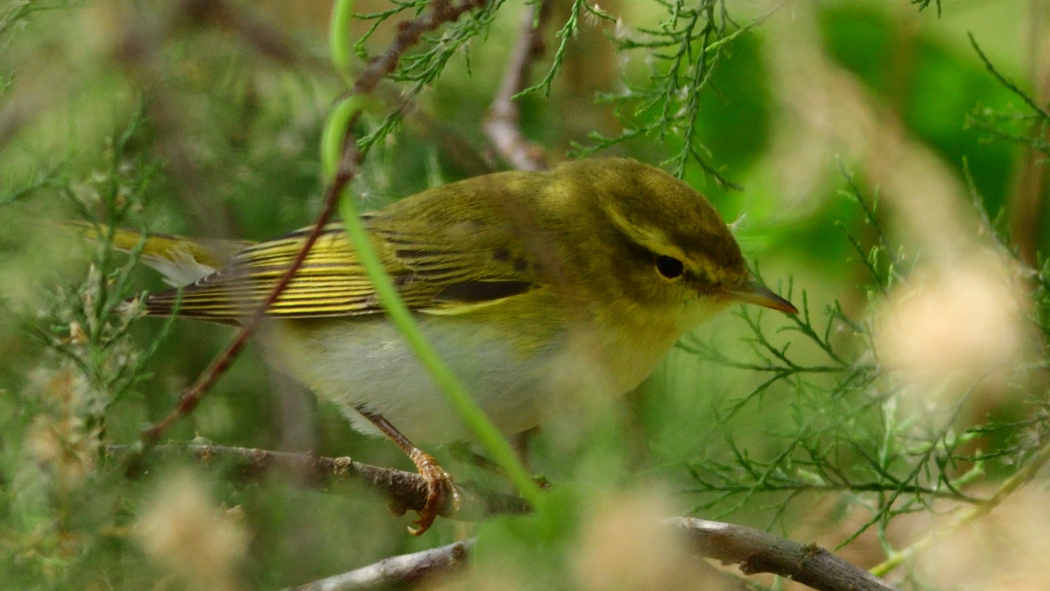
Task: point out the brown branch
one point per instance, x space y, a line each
453 144
404 490
264 39
756 551
1032 177
409 33
397 570
753 550
502 123
191 398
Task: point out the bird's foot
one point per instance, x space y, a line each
440 491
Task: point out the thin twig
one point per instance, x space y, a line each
409 33
191 398
406 491
1012 485
265 39
502 123
397 570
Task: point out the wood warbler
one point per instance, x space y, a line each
534 287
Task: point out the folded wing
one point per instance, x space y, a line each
441 271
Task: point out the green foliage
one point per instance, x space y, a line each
565 35
90 362
686 47
931 85
1027 127
421 69
924 4
842 430
90 323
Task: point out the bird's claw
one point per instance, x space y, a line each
439 490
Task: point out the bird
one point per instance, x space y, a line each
536 288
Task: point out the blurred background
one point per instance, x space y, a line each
881 162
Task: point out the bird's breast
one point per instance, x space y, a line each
520 366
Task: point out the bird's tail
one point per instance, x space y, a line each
181 260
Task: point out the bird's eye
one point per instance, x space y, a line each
669 267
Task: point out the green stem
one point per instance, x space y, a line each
335 132
331 151
399 314
339 36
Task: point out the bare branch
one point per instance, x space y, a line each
404 490
755 551
1030 183
502 123
404 569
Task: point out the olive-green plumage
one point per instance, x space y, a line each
516 230
534 287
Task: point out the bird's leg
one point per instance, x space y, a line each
465 454
439 483
520 443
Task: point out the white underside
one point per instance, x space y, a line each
367 363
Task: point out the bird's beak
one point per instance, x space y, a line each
753 293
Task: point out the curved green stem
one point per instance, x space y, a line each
331 152
339 36
402 317
334 132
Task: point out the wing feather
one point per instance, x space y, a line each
445 271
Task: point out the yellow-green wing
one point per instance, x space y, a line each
441 269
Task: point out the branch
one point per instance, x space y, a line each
409 33
753 550
502 122
757 551
406 491
267 40
1029 191
191 398
404 569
